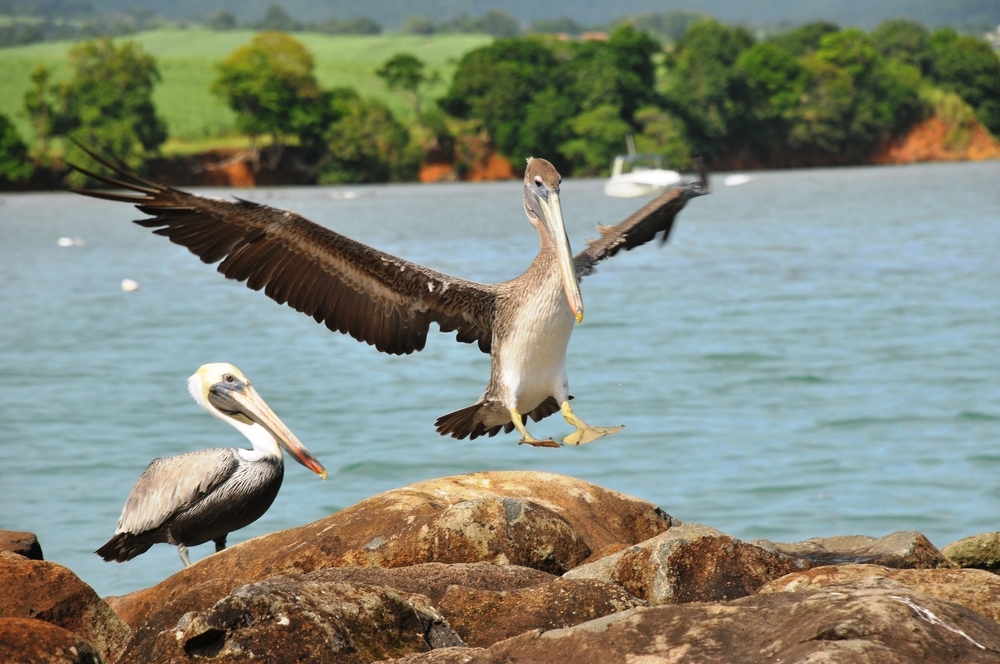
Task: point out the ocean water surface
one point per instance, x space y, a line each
814 353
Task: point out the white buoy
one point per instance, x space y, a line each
128 285
65 242
736 180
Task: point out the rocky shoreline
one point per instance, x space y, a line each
519 567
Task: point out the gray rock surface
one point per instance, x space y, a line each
689 563
294 619
906 549
979 551
839 624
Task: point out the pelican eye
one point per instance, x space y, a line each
538 181
229 378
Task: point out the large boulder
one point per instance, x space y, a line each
294 619
906 549
433 580
838 624
50 592
30 641
979 551
483 617
430 579
540 520
972 588
23 544
689 563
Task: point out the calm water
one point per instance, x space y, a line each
814 353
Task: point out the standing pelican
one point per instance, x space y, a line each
195 497
524 323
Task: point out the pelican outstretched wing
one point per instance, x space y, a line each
656 217
170 484
373 296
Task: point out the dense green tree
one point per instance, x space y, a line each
515 89
270 85
669 26
705 87
776 83
969 67
805 38
404 71
38 107
663 134
108 103
14 162
365 143
906 41
599 135
855 97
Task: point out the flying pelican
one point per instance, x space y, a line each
199 496
524 323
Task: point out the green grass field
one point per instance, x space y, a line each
187 57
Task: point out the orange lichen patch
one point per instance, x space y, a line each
937 140
435 172
493 167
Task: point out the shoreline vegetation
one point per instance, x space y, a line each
239 107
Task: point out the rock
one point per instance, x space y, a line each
904 549
30 641
689 563
972 588
434 579
293 619
430 579
540 520
23 544
979 551
201 597
50 592
838 624
440 656
483 617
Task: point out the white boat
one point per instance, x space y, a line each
639 174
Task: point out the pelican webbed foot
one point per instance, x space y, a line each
527 438
584 432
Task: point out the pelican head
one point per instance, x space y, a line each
223 391
541 204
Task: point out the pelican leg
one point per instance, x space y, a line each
220 544
183 550
527 438
584 432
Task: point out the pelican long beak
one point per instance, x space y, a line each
552 213
254 407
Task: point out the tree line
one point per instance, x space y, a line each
816 94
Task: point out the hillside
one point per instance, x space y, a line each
970 14
186 59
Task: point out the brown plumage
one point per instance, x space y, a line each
389 302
